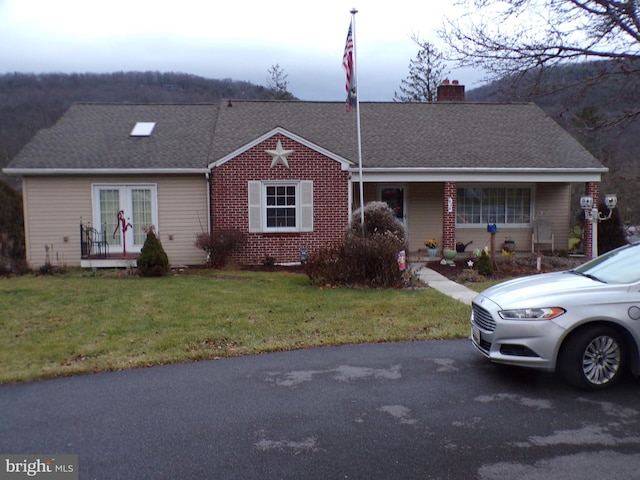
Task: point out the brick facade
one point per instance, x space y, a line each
449 215
592 189
230 209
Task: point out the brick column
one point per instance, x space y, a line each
591 189
449 215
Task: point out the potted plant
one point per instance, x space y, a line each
432 247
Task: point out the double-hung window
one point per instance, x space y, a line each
138 202
280 206
501 205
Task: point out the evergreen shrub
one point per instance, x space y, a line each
485 266
153 261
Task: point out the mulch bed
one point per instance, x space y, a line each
274 268
507 267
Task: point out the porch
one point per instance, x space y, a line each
455 213
94 250
111 261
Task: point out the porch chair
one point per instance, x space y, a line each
542 234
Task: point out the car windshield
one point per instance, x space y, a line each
617 266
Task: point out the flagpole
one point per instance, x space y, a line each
357 105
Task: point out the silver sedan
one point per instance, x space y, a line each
584 323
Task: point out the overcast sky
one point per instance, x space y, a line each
225 39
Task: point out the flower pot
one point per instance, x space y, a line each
449 255
432 252
509 246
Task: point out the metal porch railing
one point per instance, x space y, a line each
93 243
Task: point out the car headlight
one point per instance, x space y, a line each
532 313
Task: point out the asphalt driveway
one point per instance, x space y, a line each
427 410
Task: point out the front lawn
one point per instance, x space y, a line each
79 323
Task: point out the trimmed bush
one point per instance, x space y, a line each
379 219
153 261
367 256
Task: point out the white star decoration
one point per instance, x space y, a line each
279 155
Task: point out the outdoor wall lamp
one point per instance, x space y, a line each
611 201
591 214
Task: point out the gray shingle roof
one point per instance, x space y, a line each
394 135
413 135
91 136
325 124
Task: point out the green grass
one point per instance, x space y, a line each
480 286
78 323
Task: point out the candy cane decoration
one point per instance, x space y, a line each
124 225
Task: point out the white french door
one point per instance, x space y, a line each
138 202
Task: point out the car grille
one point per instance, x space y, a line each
483 319
484 347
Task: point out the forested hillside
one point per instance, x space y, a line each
598 104
31 102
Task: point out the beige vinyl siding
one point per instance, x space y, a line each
424 213
370 193
183 213
553 202
55 206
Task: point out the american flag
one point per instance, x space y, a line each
347 64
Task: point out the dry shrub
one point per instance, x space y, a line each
526 264
12 266
469 275
367 256
219 245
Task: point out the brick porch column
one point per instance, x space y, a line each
591 189
449 215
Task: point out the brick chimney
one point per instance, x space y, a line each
450 92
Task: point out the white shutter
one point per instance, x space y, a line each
255 206
306 206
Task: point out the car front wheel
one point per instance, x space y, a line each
593 358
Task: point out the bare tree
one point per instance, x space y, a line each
278 83
510 36
583 55
426 72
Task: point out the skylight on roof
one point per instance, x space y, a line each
142 129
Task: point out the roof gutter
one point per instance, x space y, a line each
104 171
568 175
483 170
